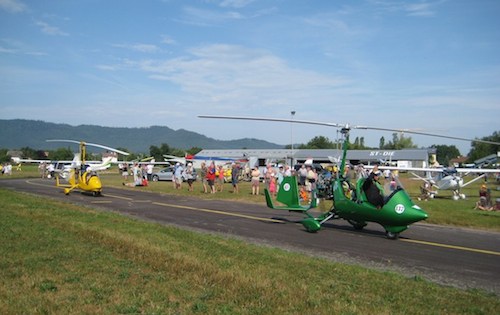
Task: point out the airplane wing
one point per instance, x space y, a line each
478 170
141 162
435 169
409 169
174 159
19 160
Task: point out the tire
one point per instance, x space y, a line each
391 235
155 178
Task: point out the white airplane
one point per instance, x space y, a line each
197 160
444 178
68 164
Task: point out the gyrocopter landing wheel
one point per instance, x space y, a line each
391 235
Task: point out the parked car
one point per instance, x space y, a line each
167 174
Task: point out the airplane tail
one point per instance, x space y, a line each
106 163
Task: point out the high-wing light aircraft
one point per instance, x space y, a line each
350 200
82 176
197 159
445 178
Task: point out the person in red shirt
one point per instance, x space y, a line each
211 177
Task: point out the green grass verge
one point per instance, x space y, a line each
61 258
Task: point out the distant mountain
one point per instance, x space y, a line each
19 133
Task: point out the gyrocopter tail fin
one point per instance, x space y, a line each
288 194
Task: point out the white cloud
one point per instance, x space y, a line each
419 9
7 50
204 17
13 6
49 29
235 3
12 46
245 78
145 48
165 39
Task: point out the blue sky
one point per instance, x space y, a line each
429 65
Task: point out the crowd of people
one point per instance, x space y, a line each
141 174
213 177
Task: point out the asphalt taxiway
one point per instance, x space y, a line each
459 257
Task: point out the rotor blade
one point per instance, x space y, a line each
309 122
107 148
63 140
346 126
90 144
425 134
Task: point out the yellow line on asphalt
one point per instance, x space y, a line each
119 197
43 185
218 212
475 250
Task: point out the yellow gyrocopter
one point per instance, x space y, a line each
81 175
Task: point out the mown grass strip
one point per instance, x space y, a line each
60 258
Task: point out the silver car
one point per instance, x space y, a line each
167 174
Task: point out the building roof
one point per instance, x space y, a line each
323 154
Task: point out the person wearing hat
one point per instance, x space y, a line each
484 202
373 189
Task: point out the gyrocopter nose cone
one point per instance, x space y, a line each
417 214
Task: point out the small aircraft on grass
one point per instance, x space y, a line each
197 160
84 176
350 201
444 178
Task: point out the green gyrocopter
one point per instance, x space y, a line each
350 202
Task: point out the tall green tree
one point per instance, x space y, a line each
3 156
480 150
399 141
359 144
381 143
62 154
158 152
318 142
194 150
445 153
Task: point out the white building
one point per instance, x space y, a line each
405 158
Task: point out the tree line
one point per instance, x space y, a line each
399 141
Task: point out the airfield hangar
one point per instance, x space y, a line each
402 158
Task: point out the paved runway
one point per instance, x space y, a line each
454 256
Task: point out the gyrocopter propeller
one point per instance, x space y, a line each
351 201
84 176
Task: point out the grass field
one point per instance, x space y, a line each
58 258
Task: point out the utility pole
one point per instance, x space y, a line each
291 139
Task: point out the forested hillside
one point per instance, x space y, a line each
18 133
